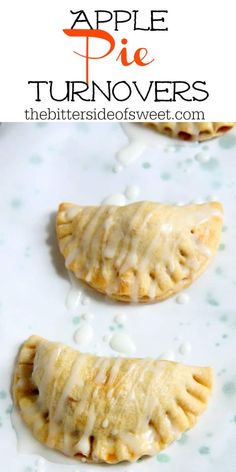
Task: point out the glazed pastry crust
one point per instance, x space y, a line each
192 131
142 252
106 409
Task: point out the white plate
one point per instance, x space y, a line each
42 165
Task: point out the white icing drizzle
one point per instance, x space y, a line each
135 288
108 223
132 192
150 402
68 387
115 199
198 201
84 443
55 412
105 423
132 370
167 356
192 263
120 318
166 228
66 439
202 157
212 198
114 371
84 300
101 375
129 258
130 153
84 400
124 252
71 257
74 295
85 241
185 271
131 441
151 436
132 373
203 249
72 213
147 255
152 289
143 443
87 238
108 251
140 139
83 336
110 393
121 342
185 348
175 431
40 465
182 298
48 372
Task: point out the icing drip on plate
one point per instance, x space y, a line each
121 342
140 139
74 295
115 199
83 336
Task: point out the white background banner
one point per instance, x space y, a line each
191 75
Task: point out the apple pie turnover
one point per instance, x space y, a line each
102 409
141 252
191 131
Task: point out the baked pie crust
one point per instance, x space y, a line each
106 409
191 131
141 252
